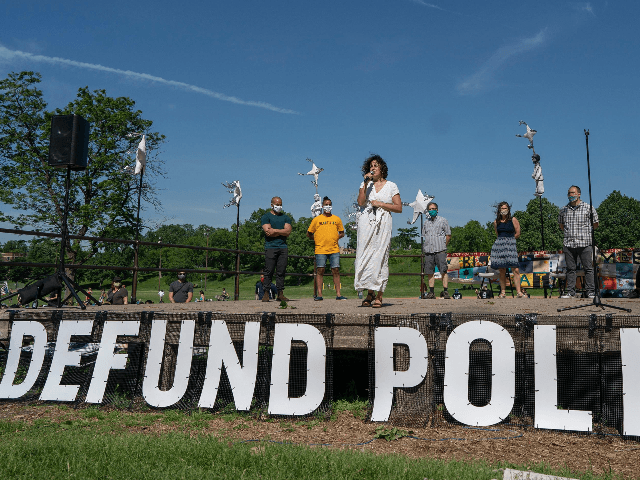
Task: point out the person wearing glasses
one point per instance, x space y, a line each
575 221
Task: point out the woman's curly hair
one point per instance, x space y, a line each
366 166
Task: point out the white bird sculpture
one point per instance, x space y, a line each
355 216
315 171
316 207
529 135
420 205
234 188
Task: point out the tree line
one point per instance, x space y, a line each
619 227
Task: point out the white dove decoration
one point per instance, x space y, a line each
141 155
234 188
315 171
529 135
420 205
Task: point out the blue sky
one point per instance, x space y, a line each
248 90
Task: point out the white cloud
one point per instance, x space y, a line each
584 7
482 79
430 5
9 55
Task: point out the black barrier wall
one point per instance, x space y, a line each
587 358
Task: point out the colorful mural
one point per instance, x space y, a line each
618 269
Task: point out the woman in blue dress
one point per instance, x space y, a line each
504 253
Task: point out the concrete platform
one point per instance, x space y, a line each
391 306
350 319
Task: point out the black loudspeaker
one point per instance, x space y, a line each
69 142
39 289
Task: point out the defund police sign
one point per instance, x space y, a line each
242 377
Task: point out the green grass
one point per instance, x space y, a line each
398 286
97 444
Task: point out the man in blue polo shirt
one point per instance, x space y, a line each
277 227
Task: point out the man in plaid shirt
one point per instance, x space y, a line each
575 221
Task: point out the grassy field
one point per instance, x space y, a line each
59 442
399 286
296 287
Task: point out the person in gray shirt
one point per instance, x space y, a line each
436 234
181 291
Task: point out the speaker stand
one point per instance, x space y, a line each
71 285
596 299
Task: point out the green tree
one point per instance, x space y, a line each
43 250
102 198
351 234
531 229
252 238
619 222
405 240
473 237
13 272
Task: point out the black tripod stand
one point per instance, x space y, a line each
36 290
72 286
596 298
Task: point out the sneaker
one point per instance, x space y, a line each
317 299
568 295
445 295
430 296
341 298
591 295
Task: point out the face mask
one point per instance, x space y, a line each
327 208
117 284
182 277
433 213
573 199
504 212
277 208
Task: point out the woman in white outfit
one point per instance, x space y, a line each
377 198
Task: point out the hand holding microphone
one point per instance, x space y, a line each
368 177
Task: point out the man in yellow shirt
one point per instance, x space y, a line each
325 230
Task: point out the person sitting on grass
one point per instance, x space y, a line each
260 289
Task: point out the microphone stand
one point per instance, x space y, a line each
596 298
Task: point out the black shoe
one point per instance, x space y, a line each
317 299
